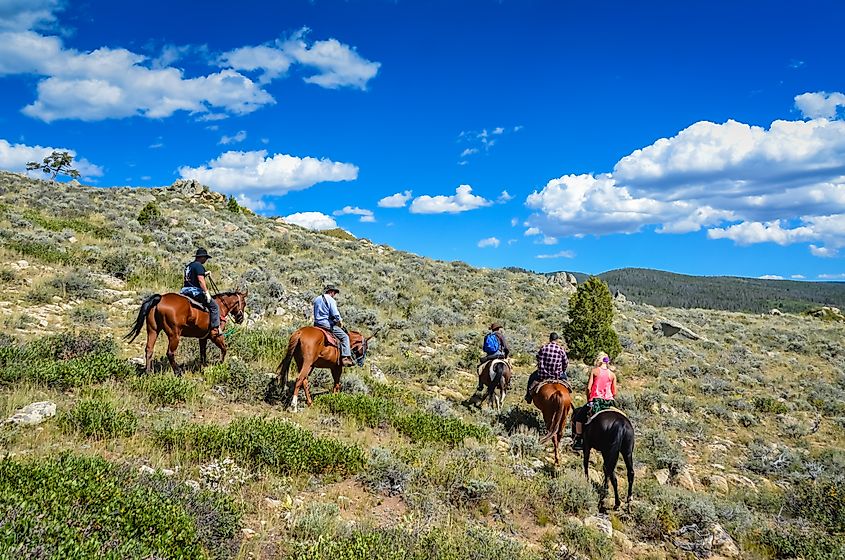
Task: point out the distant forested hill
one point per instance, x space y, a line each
667 289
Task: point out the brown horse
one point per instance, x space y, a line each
500 379
309 348
178 317
554 401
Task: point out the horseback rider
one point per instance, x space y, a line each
495 347
601 394
551 364
195 287
327 316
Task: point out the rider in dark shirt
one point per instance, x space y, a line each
196 288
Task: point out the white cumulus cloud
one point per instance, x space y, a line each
14 157
462 201
566 254
820 104
398 200
770 277
783 184
489 242
27 14
366 215
240 136
255 174
311 220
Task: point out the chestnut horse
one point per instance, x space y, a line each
309 348
554 400
611 433
178 317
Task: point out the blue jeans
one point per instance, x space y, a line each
213 308
342 338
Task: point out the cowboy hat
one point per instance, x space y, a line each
495 326
201 252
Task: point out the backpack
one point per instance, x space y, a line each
491 343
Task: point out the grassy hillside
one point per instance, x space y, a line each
730 293
740 436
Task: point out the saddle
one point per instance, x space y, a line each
330 339
602 411
201 305
536 386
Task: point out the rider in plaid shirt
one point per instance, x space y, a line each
551 363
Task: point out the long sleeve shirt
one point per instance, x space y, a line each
503 344
325 311
552 361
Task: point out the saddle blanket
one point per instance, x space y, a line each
537 385
612 408
331 340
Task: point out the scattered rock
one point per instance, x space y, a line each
623 541
723 544
718 483
671 328
601 523
619 297
72 239
273 504
145 469
247 533
20 265
828 313
230 228
192 484
33 414
662 477
775 311
685 480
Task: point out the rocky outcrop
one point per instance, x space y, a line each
671 328
33 414
775 311
193 188
564 279
828 313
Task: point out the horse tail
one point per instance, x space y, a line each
284 367
623 442
557 418
147 304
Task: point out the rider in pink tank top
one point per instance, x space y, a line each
602 384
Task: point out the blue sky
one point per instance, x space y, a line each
702 138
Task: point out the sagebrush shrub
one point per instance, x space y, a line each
570 493
165 389
385 473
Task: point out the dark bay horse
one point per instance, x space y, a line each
309 348
499 378
611 433
178 317
554 400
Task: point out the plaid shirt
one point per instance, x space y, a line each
552 361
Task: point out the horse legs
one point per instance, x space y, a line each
220 342
336 371
628 456
203 346
611 457
556 441
172 345
152 336
307 387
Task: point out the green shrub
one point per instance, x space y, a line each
84 507
769 405
97 418
240 383
45 252
590 326
89 315
278 445
793 541
369 411
150 215
821 501
385 473
427 427
80 225
166 389
74 285
590 542
232 205
570 493
253 345
280 244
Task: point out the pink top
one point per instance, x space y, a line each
601 388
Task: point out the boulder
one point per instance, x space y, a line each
685 480
619 297
671 328
662 476
33 414
188 187
723 544
718 483
599 523
563 279
775 311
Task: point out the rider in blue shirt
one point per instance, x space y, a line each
327 316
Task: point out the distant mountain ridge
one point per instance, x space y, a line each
730 293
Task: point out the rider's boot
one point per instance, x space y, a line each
346 361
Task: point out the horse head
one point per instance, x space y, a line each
235 304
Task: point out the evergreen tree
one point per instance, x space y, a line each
590 327
150 215
233 205
57 163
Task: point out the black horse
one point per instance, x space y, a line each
611 433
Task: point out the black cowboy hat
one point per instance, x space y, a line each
202 253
